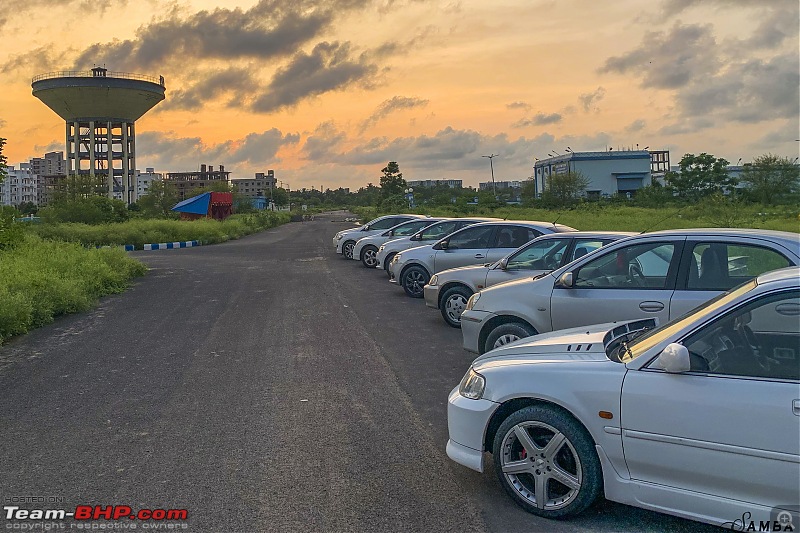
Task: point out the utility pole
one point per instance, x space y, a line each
491 166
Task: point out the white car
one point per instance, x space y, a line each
450 289
699 418
366 248
345 240
658 275
476 244
431 234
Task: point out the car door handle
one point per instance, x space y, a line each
480 256
796 407
651 307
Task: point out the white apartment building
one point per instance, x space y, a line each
20 186
145 179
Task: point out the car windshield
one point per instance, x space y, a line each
437 230
409 228
633 348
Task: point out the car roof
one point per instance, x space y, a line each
790 274
531 223
590 234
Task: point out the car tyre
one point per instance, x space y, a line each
369 256
543 450
507 333
413 280
387 262
453 303
347 249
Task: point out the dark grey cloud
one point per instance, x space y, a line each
271 28
448 150
261 147
329 67
236 82
636 125
519 105
540 119
17 8
588 100
160 150
52 146
751 91
396 103
669 60
676 7
781 140
3 123
324 143
776 26
687 125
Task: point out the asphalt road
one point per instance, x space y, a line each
264 384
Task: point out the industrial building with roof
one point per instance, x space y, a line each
608 173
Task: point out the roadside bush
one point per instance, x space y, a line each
11 232
40 280
142 231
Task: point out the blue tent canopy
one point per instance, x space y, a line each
197 205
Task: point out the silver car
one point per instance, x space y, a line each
450 289
345 240
366 248
476 244
430 234
658 275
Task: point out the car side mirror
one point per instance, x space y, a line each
566 281
444 245
503 264
674 359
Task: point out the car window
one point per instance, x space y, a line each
410 228
438 231
639 266
514 236
759 340
719 266
387 223
545 254
471 238
583 247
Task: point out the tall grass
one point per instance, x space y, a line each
613 217
143 231
40 280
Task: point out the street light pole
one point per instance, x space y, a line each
491 166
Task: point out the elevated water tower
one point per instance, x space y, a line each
100 109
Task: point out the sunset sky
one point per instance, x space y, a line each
327 92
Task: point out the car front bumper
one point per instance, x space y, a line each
466 424
432 296
471 324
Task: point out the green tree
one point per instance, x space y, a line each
161 197
392 182
280 196
771 179
564 189
3 160
700 175
91 210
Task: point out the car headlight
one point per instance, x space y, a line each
338 236
434 280
396 258
472 301
472 385
382 248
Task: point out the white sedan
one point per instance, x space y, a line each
699 418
